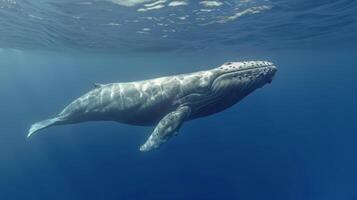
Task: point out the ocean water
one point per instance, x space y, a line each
294 139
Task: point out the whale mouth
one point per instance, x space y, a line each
272 71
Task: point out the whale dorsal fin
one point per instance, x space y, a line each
97 85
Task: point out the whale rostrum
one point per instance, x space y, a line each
166 102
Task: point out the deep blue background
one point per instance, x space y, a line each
294 139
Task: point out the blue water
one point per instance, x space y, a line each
294 139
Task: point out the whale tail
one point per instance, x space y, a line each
42 125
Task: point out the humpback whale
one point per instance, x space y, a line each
166 102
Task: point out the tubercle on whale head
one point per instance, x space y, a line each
243 65
254 74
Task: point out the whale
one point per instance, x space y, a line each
165 102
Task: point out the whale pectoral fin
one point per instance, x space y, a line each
167 127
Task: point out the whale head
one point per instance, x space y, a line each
242 77
231 82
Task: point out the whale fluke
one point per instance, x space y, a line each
42 125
